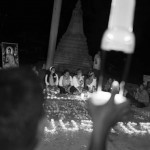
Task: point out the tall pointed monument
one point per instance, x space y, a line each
72 50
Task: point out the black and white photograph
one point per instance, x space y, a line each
9 55
74 75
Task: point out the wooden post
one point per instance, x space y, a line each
53 33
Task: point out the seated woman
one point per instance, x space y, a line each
148 88
91 82
108 85
51 80
78 83
65 82
142 96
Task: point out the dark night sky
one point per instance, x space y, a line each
32 19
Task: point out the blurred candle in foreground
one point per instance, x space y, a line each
100 97
119 35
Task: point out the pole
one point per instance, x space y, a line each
53 33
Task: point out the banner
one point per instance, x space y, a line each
10 56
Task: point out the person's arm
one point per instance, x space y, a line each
71 81
46 80
75 84
83 82
60 81
57 80
94 84
106 110
95 59
99 137
87 82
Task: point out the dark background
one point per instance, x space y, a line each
28 24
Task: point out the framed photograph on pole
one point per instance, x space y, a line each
10 56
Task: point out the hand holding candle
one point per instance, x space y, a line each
109 107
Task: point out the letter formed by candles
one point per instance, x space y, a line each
124 128
133 125
51 128
145 126
86 125
119 35
66 126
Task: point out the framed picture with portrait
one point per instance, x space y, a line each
10 56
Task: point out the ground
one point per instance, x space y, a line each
69 127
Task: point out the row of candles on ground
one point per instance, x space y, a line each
130 128
83 96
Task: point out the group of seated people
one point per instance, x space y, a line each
68 84
139 97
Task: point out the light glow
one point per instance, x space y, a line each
119 99
130 128
64 125
51 124
100 97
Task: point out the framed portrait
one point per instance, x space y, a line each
10 57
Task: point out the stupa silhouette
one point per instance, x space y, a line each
72 50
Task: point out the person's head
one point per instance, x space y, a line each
141 87
52 69
98 52
79 72
66 73
21 109
9 51
144 83
91 74
110 80
34 68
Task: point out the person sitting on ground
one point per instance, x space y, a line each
51 80
91 82
78 83
133 101
42 73
107 86
97 64
65 82
148 88
142 96
21 110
